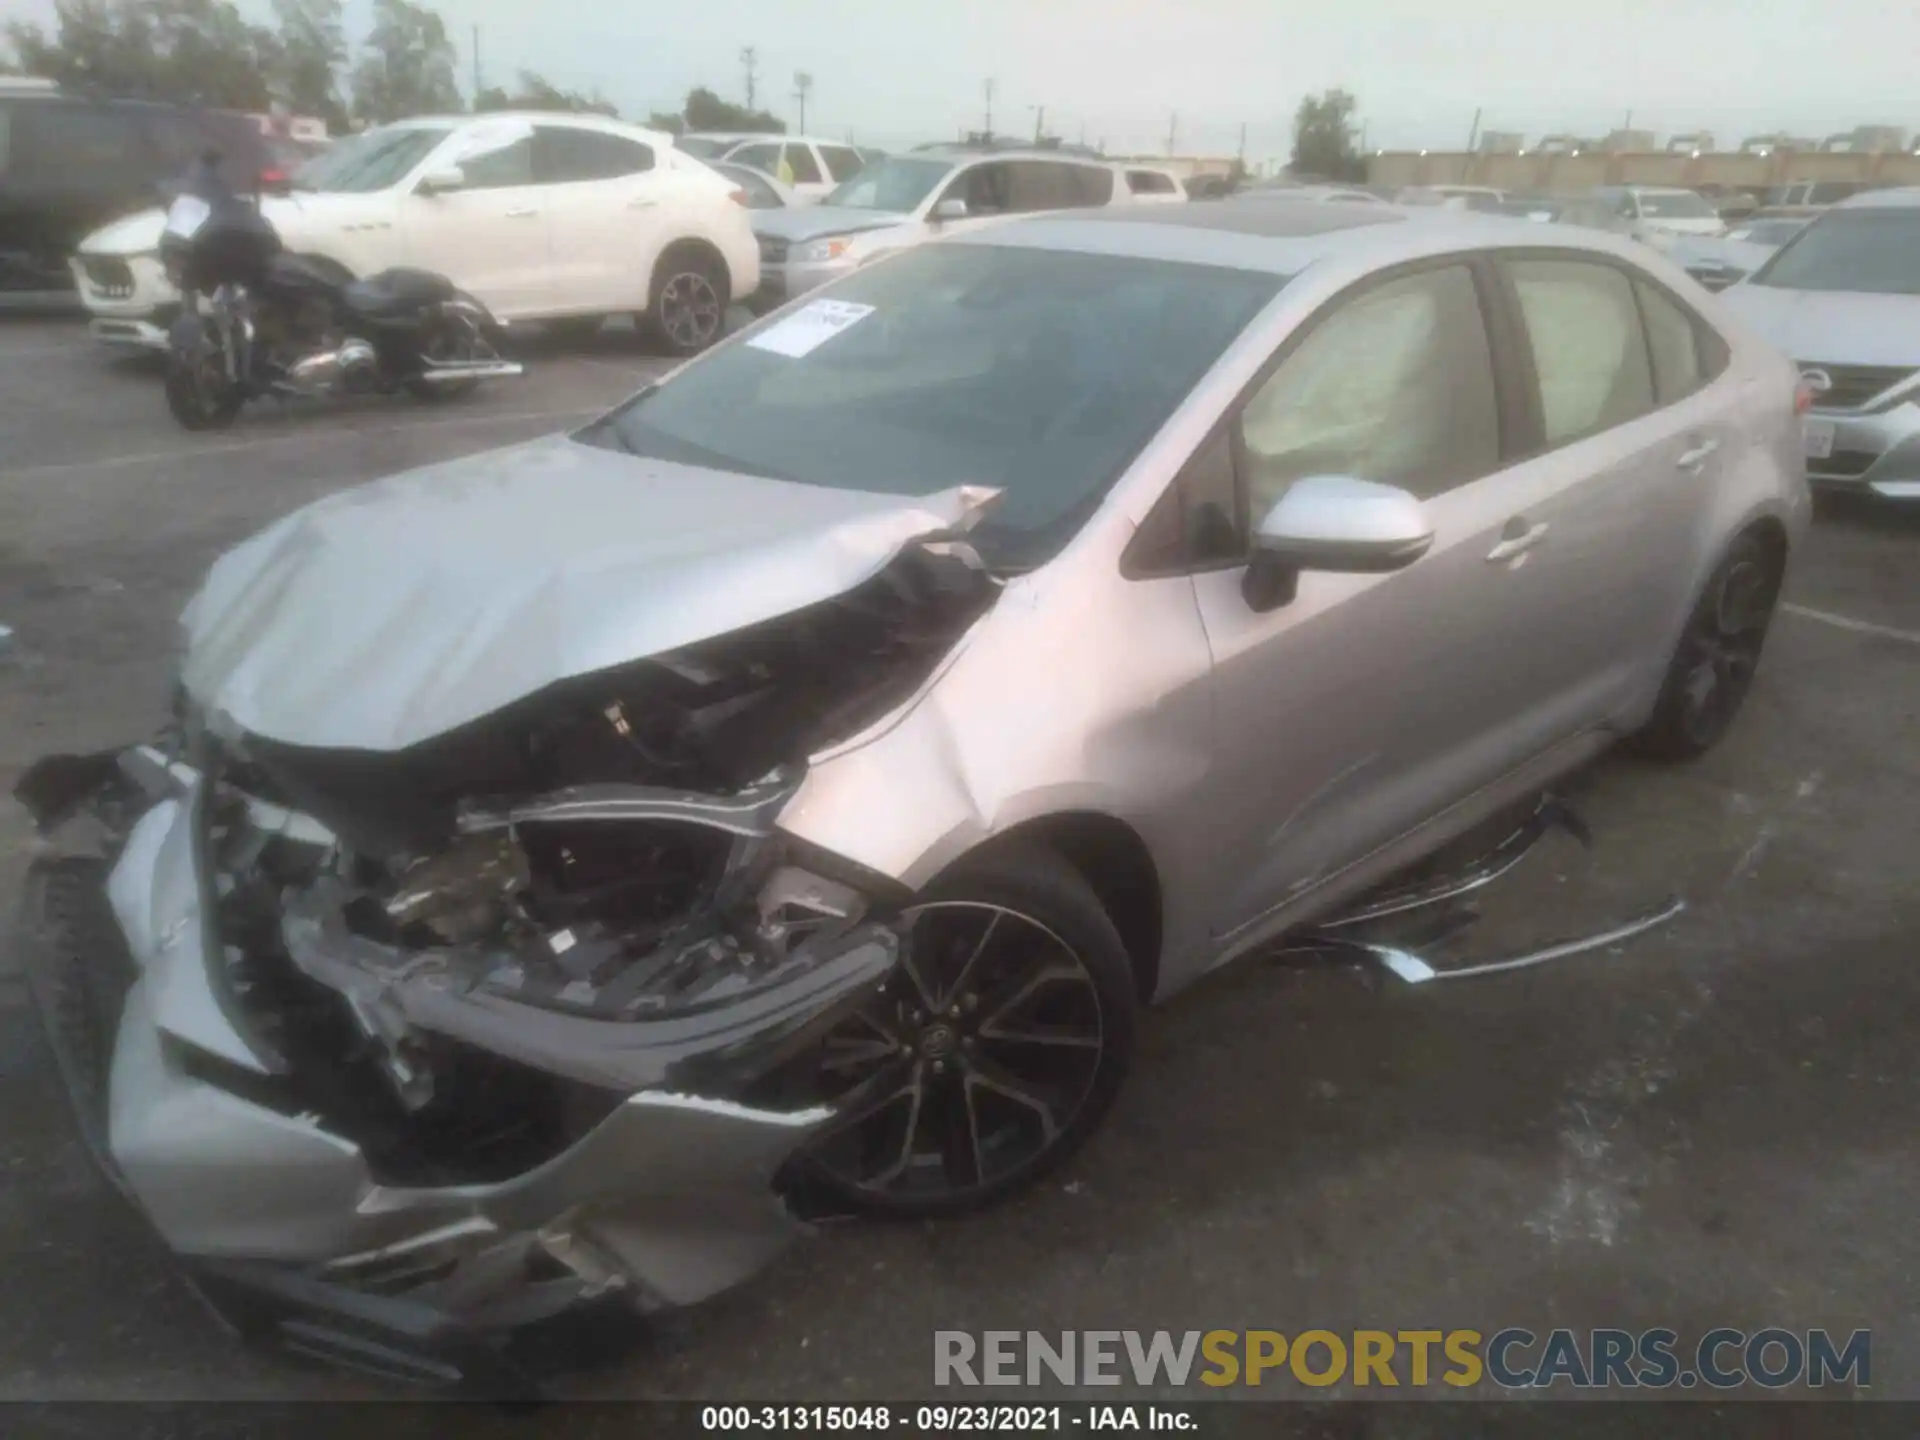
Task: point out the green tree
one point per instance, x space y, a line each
661 120
1323 138
312 52
707 111
198 52
538 93
406 66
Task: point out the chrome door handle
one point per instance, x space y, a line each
521 214
1519 544
1698 456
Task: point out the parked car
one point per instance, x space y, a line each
1719 261
795 784
561 218
1154 186
906 200
807 166
762 191
1843 299
1652 214
69 164
1484 198
1819 192
1312 193
1542 208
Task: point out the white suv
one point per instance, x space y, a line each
807 166
560 218
904 200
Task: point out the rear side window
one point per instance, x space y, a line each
760 156
1589 353
566 155
806 170
1149 182
1042 185
842 163
1094 184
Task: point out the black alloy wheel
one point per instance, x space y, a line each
1718 654
200 394
689 310
989 1053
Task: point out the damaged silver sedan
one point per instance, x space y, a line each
570 867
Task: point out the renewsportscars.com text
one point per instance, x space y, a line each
1515 1358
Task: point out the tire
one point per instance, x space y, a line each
1713 665
573 329
687 300
1000 1040
198 394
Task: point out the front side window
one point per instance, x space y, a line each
986 189
501 169
370 161
1149 182
1395 385
565 155
897 185
1875 252
64 145
1589 355
1093 184
1035 372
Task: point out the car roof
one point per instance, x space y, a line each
575 120
958 154
1284 239
1905 197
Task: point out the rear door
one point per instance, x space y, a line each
606 201
1631 437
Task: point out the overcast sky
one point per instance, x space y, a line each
894 72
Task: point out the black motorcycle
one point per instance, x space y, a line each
256 321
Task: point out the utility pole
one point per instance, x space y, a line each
988 131
1039 122
748 55
1473 135
476 64
802 87
1173 129
1243 144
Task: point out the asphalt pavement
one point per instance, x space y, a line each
1712 1124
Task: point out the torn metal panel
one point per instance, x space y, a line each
383 616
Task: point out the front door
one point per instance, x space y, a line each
490 237
1339 712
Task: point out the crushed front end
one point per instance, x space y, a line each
405 1054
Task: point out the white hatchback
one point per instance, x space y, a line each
559 218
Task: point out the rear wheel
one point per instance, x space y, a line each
992 1051
200 394
687 302
1714 665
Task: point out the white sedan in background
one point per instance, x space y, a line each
565 219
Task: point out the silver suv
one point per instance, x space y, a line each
1843 300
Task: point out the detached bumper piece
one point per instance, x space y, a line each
1440 900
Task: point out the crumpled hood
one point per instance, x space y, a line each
385 615
809 222
1839 327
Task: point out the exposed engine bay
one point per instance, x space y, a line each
465 954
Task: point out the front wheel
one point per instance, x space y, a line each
200 393
989 1054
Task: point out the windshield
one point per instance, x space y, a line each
368 162
1676 205
1036 372
705 147
1875 252
897 184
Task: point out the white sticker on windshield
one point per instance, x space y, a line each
186 215
810 327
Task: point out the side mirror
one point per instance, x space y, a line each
949 209
439 182
1334 523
